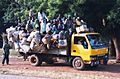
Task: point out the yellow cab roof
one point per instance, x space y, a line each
85 33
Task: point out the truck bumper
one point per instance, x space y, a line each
99 59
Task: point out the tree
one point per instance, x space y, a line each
114 28
94 12
2 11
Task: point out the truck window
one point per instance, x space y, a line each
81 41
96 41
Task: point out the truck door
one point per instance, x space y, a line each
80 47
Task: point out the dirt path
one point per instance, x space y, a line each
18 77
60 70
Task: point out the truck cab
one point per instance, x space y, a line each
88 48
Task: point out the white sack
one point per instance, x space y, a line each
16 44
25 48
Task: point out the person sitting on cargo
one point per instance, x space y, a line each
48 26
62 41
61 26
61 35
35 38
47 40
54 29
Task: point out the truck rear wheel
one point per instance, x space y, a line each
35 60
78 63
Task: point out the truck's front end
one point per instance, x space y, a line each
99 50
88 48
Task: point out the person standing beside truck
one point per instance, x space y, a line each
6 51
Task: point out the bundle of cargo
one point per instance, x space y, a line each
82 28
36 44
24 42
39 49
62 43
10 32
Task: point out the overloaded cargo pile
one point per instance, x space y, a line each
35 42
23 41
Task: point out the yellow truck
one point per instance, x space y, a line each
83 49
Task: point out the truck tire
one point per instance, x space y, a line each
78 63
35 60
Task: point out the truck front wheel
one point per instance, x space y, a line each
35 60
78 63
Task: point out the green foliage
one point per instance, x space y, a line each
92 11
114 20
3 6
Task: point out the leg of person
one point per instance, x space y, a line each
7 59
46 47
3 61
25 56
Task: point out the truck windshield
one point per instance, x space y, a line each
96 41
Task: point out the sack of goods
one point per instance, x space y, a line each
16 45
62 43
82 28
39 48
10 32
25 48
55 36
44 40
31 36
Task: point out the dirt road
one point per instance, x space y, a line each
60 70
18 77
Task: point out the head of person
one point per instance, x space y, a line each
49 32
69 17
78 18
41 10
36 21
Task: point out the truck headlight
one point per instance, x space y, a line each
106 56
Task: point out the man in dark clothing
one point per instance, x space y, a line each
6 52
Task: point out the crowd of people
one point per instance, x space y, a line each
42 30
40 33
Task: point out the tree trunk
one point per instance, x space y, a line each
112 48
117 48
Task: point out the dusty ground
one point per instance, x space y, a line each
60 70
2 76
